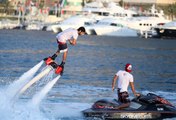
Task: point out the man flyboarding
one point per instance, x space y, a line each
70 35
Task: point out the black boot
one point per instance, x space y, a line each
54 57
62 65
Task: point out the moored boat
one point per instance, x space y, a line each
167 30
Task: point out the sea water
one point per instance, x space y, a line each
89 70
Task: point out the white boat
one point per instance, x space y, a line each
35 25
73 22
93 12
8 24
111 27
107 9
144 24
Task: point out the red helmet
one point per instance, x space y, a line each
128 67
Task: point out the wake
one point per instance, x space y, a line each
22 80
41 94
13 108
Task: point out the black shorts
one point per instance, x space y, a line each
123 96
62 48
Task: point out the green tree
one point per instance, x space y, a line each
41 4
6 5
169 10
121 3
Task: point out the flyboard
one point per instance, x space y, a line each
50 66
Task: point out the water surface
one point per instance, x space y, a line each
89 69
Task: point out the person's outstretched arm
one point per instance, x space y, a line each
72 42
114 82
133 89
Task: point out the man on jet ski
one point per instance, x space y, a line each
124 78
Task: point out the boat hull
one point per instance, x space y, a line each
170 33
131 115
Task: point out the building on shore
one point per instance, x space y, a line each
72 7
167 6
55 6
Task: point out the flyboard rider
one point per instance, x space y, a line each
69 35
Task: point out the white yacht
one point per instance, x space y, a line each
107 9
111 27
93 12
145 23
35 25
8 24
73 22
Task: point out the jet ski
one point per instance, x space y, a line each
149 106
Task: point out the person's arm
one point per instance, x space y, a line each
72 42
114 82
133 89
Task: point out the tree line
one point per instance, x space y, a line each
169 10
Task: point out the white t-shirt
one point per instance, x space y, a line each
124 78
67 34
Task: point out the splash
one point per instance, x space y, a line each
23 79
19 110
35 79
39 96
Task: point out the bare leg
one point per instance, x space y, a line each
64 56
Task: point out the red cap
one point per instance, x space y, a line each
128 67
